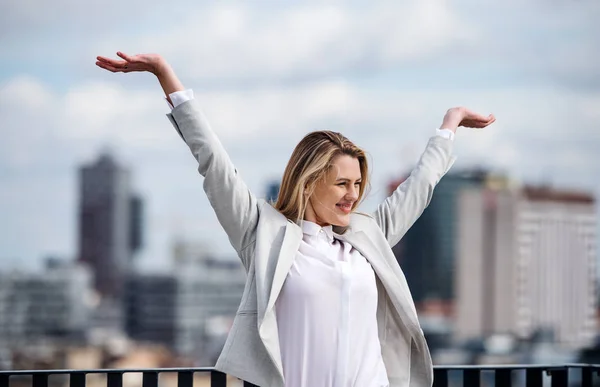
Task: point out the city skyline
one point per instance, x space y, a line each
266 75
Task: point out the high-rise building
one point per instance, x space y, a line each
527 263
426 253
110 223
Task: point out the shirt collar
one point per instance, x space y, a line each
313 229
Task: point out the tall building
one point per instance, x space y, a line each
110 223
427 252
527 263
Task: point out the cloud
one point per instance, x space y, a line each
25 105
239 42
50 134
236 45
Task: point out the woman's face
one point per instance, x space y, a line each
334 197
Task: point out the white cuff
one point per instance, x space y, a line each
179 97
446 133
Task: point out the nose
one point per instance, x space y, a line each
352 193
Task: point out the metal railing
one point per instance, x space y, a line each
514 375
114 377
517 375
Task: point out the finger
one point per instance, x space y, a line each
481 117
108 67
112 62
105 59
488 123
124 56
488 119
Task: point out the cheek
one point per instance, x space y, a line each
333 196
327 198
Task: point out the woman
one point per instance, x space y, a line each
325 302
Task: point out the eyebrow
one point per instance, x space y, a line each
346 179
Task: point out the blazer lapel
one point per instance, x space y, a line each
289 247
396 288
268 326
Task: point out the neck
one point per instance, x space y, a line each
311 216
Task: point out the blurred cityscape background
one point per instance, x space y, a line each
110 255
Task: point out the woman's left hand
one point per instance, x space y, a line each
461 116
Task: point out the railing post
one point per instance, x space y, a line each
218 379
114 379
185 379
559 376
39 380
534 377
471 378
586 376
150 379
77 380
440 378
503 377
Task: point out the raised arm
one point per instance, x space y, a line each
235 206
404 206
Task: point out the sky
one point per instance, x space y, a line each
266 73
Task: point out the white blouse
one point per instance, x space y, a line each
326 315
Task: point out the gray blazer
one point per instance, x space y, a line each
266 243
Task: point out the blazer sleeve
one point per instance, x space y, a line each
404 206
235 206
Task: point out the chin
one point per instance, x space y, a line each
342 221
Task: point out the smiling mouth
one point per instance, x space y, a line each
345 207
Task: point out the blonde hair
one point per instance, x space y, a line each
310 161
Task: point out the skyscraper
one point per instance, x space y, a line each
427 252
527 262
109 223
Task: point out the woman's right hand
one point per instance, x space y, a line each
152 63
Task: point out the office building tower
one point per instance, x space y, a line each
110 223
426 253
527 263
